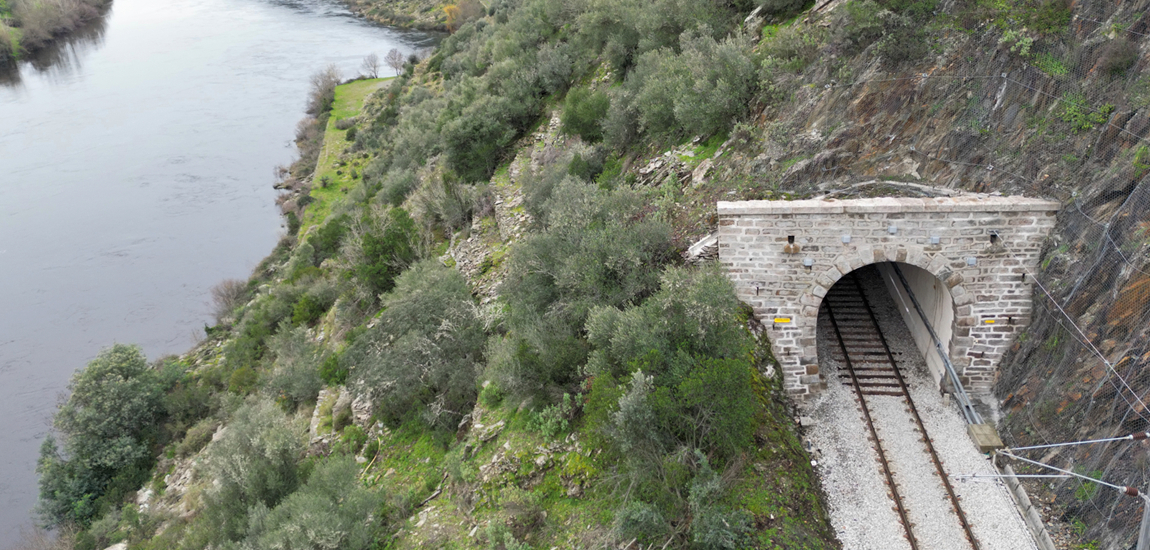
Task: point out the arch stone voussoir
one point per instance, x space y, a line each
947 237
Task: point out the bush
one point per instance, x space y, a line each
858 25
475 141
422 356
386 251
197 437
331 372
1118 56
583 112
594 251
780 8
294 378
642 522
794 46
1051 16
322 92
903 40
698 91
227 295
351 440
253 464
396 185
309 309
332 510
694 312
686 353
443 202
105 429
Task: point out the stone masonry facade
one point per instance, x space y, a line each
784 256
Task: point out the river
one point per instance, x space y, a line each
136 169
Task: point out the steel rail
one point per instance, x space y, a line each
899 506
918 420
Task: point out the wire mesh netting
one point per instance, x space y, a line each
1062 115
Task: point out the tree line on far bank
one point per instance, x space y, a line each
28 25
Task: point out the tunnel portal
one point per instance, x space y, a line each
965 258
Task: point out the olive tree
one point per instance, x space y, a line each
103 436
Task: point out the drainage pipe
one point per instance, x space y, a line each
968 412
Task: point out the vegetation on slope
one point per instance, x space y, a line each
627 389
581 386
28 25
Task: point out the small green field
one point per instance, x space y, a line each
333 178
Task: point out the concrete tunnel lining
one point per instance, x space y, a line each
938 305
783 257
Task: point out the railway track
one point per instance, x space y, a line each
872 371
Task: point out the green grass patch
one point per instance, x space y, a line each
333 180
411 459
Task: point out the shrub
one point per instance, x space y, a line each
698 91
583 112
386 251
903 40
309 309
620 127
351 440
594 251
1051 17
694 312
421 358
475 141
1118 56
714 526
350 135
253 463
332 510
327 239
794 46
858 25
322 92
551 421
197 437
642 522
227 295
294 378
723 81
105 431
396 185
332 372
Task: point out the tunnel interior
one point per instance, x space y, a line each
885 289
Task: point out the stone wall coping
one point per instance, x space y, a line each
964 203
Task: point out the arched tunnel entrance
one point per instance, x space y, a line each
968 256
923 304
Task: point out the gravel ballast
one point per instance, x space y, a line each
860 507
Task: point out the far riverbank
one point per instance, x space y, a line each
27 26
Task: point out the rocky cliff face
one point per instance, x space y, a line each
998 108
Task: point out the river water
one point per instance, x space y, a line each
136 171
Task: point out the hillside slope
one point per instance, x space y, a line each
483 303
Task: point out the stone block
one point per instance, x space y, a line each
985 437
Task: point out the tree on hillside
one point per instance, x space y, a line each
371 65
395 60
104 430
